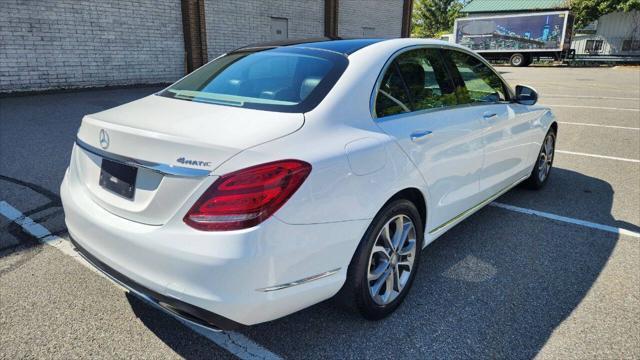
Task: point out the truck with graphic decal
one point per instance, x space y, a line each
518 38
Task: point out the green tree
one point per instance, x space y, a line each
432 18
587 11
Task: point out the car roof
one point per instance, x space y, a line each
339 45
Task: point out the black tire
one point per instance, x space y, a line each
528 60
518 60
536 181
356 293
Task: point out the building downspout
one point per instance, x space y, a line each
331 18
407 9
195 34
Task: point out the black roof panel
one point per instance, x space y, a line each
346 46
339 45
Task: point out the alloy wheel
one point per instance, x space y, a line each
392 259
545 159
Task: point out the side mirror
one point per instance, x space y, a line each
526 95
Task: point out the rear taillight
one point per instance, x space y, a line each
247 197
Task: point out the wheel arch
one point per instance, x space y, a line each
416 197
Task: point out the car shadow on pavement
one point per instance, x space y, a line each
182 340
495 286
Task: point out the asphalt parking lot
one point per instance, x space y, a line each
548 274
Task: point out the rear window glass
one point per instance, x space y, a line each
282 79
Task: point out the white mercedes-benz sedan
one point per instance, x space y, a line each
279 175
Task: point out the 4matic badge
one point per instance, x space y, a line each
185 161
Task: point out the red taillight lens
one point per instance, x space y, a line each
247 197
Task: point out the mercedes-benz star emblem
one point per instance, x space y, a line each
104 139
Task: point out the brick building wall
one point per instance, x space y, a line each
61 44
231 24
78 43
370 18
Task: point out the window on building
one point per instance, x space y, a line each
626 45
631 45
279 28
593 45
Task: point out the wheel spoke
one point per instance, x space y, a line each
396 279
389 290
406 264
408 247
398 233
378 271
381 250
386 236
541 160
406 230
546 146
382 280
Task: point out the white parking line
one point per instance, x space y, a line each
569 220
598 156
598 125
38 231
590 97
593 107
237 344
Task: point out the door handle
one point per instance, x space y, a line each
419 134
489 115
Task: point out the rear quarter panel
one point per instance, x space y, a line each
354 172
356 166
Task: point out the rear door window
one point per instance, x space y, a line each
481 84
416 80
392 97
427 80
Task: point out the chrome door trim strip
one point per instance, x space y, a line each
300 282
163 169
478 206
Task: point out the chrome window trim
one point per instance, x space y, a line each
374 92
163 169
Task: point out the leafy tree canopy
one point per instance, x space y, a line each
431 18
587 11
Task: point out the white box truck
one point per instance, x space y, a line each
518 38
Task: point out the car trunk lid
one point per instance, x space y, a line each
172 144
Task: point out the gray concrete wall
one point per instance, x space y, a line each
370 18
231 24
85 43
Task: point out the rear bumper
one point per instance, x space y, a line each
217 279
171 305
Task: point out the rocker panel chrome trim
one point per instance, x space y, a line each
301 281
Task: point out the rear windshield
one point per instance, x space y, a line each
281 79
